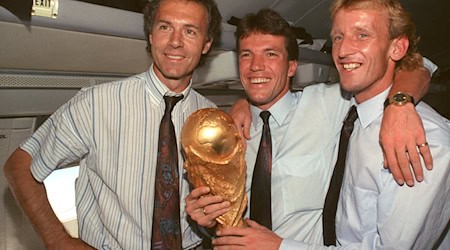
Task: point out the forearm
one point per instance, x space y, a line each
415 83
31 196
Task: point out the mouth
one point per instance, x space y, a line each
351 66
259 80
174 57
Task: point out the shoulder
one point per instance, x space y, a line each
327 95
128 84
130 81
437 127
201 100
326 90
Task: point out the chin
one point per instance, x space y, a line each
173 74
347 86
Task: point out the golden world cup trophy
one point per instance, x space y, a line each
214 157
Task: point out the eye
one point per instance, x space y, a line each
363 35
163 27
336 38
191 32
244 54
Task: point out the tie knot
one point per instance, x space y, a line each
265 116
352 115
350 120
171 101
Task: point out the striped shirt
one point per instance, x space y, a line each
112 129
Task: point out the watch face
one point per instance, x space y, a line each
399 97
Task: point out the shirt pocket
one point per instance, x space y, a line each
304 181
359 209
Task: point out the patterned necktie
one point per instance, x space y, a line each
331 200
260 196
166 230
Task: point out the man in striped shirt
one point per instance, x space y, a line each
112 130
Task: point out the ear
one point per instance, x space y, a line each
207 46
150 38
400 46
292 68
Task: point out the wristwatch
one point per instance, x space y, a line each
399 99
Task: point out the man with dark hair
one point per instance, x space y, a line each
304 131
214 21
112 129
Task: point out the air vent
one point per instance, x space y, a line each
45 8
18 79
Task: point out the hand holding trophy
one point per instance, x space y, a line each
214 157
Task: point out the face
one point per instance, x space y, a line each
178 39
264 68
362 51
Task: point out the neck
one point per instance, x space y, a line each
176 85
377 87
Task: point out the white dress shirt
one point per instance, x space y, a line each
305 128
113 130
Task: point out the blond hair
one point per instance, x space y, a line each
400 24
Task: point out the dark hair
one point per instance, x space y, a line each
214 18
268 21
400 24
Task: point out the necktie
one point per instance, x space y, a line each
260 198
166 230
331 200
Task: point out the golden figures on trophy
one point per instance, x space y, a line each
214 157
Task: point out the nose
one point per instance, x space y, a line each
176 39
257 63
345 47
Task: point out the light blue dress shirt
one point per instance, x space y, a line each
292 242
374 212
305 128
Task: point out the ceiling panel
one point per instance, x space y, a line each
239 8
432 18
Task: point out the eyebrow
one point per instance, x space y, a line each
243 51
333 32
364 28
270 49
187 25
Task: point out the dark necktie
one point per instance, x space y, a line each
166 230
260 197
331 200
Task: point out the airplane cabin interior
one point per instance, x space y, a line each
50 49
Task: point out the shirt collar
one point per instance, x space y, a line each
278 112
370 110
159 89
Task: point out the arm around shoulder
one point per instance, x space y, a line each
402 128
414 82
